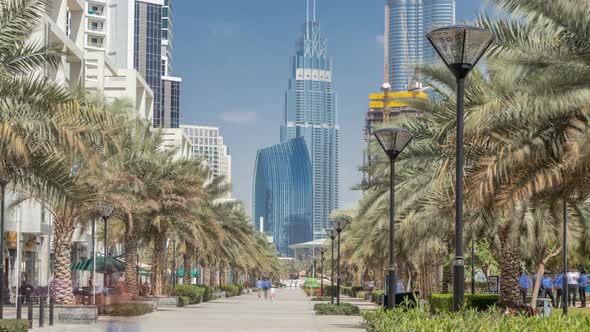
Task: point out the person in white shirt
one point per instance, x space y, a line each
572 287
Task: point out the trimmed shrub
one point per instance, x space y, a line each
377 296
441 303
192 292
481 301
207 293
361 294
310 291
322 298
230 290
344 309
125 309
329 290
14 325
183 301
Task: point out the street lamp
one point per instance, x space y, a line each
322 252
460 48
105 211
332 233
4 180
393 141
339 225
565 291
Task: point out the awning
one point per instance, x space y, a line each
112 265
194 273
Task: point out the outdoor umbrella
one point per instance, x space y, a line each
112 265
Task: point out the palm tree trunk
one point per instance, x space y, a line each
222 276
63 231
214 277
159 263
206 276
131 257
509 269
189 251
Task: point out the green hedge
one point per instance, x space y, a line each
126 309
183 301
192 292
441 303
377 296
14 325
344 309
208 293
444 302
468 320
230 290
481 301
361 294
322 298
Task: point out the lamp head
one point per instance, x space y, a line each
393 140
105 210
332 233
340 223
460 46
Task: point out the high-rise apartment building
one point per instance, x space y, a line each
152 57
282 203
208 143
311 113
406 47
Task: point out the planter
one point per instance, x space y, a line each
66 314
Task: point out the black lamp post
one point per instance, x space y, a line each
105 211
460 47
322 252
332 233
565 285
338 225
4 180
393 141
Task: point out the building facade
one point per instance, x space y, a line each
207 143
406 47
311 113
282 205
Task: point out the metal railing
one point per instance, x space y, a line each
29 301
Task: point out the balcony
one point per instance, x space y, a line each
96 10
95 42
95 27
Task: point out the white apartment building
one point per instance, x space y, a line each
208 144
175 139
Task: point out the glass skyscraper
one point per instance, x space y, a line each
407 23
282 187
153 59
311 114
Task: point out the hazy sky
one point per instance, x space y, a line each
233 57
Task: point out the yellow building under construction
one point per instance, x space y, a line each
386 106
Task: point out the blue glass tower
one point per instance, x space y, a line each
311 114
408 21
282 187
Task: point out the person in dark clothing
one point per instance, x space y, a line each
559 289
547 287
582 283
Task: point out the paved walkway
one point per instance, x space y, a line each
291 312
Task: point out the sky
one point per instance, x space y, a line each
233 57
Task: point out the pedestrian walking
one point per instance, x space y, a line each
266 285
259 287
559 289
273 293
523 285
547 287
572 280
582 283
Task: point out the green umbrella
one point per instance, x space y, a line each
194 273
112 265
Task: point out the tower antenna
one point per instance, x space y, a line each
314 11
